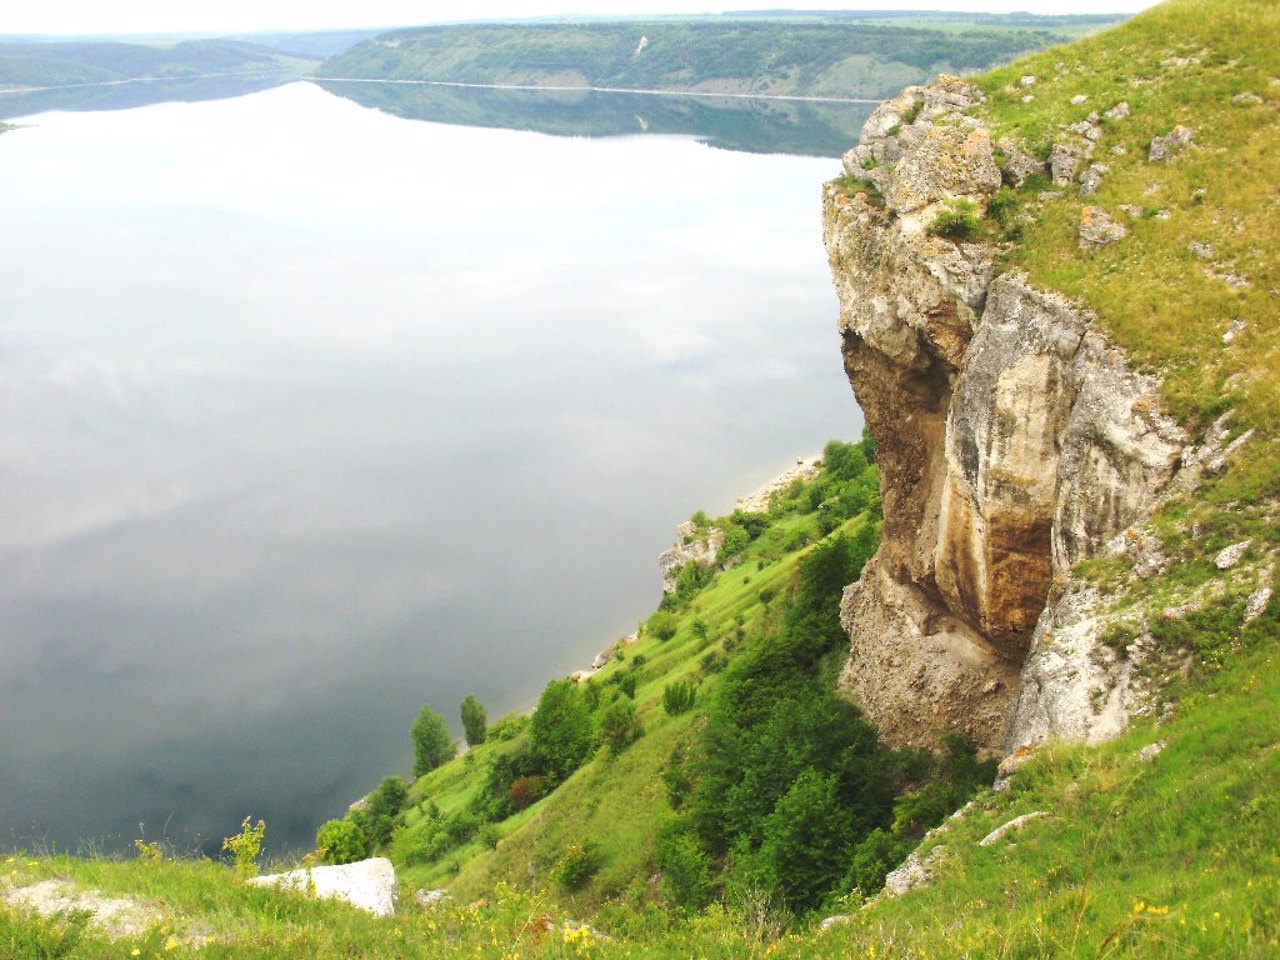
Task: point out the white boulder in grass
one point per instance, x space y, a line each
368 884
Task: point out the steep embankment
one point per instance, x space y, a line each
760 56
1021 447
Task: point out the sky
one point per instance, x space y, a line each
88 17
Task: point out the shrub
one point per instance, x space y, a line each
341 841
388 798
432 744
577 865
662 624
685 867
474 720
619 726
490 835
509 727
678 697
957 220
1003 206
526 791
244 846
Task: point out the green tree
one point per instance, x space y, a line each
475 722
341 841
807 841
560 731
389 797
432 744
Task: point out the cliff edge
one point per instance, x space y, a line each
1014 440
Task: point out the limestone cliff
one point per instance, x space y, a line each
1013 441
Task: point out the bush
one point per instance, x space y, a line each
957 220
619 726
685 867
577 865
474 720
509 727
490 835
662 624
678 697
432 744
341 841
388 798
244 846
526 791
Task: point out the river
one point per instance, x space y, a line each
313 411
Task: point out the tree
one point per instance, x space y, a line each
475 722
432 744
560 731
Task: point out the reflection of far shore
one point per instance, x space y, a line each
750 124
126 94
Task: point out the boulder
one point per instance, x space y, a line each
369 884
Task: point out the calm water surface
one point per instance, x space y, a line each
310 414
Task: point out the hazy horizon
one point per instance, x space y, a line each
142 18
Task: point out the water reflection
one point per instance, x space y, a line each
309 415
753 125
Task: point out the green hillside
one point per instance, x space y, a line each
838 58
41 64
730 826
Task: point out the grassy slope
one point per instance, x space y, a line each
832 59
1176 857
614 802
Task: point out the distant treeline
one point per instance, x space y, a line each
827 58
39 64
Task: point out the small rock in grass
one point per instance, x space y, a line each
829 922
1257 603
1234 329
1228 557
1080 98
916 871
1027 80
1017 823
1201 250
1246 99
1150 751
1091 179
1170 145
1119 111
430 898
1028 98
1064 160
1097 228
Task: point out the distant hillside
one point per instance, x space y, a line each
36 64
838 58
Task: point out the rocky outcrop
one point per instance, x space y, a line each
1012 438
694 544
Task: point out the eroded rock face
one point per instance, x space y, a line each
1012 438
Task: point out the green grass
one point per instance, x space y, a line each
1171 858
1181 62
